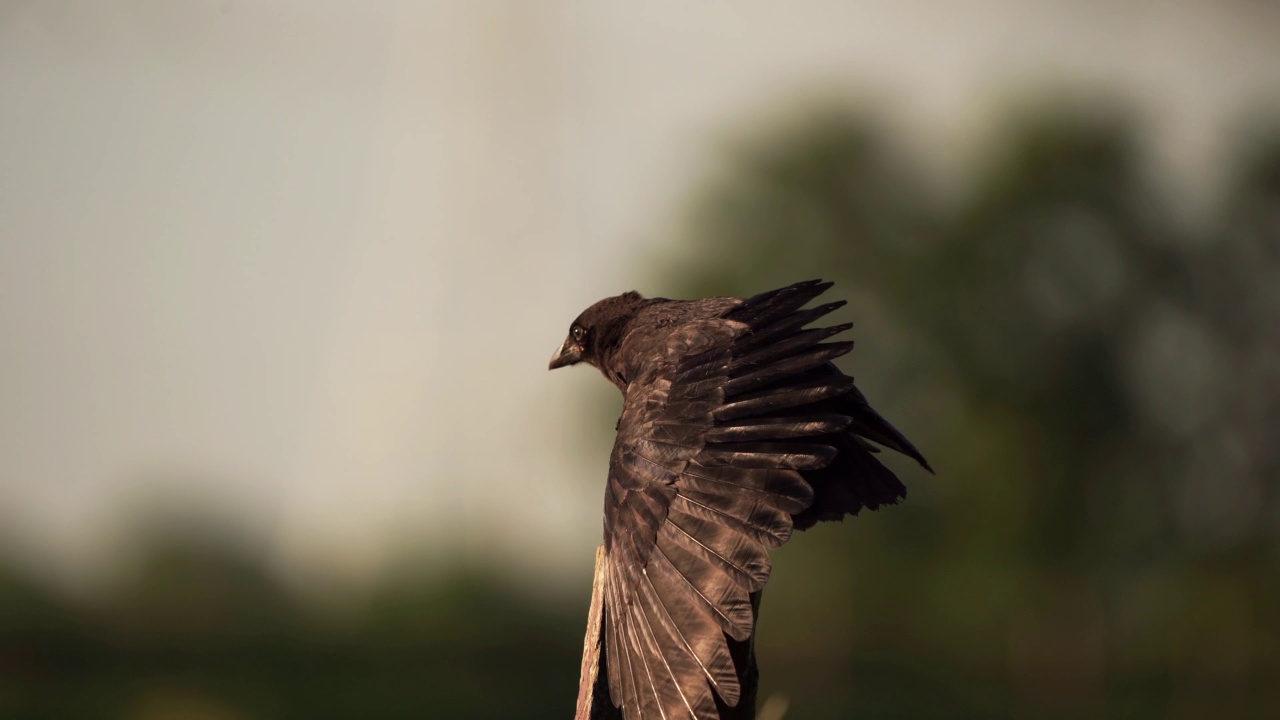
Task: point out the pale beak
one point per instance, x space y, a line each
568 354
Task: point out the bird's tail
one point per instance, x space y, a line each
856 479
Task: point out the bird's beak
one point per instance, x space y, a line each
568 354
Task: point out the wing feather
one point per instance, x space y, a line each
786 489
719 595
690 618
650 703
616 614
785 347
816 356
797 394
765 455
613 657
775 428
718 546
746 514
677 680
771 306
761 335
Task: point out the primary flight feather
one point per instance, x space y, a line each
736 429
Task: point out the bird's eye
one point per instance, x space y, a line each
577 332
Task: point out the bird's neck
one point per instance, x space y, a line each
612 361
612 367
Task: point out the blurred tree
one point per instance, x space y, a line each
204 631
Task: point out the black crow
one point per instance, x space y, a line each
736 428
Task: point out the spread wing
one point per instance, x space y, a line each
704 479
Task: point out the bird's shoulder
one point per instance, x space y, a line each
666 331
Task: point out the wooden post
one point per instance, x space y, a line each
593 685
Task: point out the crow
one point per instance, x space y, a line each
736 429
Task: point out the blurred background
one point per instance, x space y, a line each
279 281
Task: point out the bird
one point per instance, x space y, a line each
737 428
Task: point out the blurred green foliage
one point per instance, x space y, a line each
1096 380
204 632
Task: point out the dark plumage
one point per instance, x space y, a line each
736 428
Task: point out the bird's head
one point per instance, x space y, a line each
597 330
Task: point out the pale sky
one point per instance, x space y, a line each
306 261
